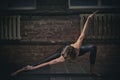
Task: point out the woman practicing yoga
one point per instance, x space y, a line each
69 51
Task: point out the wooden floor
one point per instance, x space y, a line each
62 71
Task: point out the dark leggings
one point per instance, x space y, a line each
92 49
84 49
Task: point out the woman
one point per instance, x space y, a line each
70 51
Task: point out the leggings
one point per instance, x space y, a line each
84 49
92 49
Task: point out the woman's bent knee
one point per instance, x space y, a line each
93 47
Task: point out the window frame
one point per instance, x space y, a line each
98 6
23 7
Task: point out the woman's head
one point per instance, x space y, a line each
70 51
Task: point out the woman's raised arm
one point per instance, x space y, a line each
78 43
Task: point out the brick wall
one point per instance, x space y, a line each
50 28
55 29
31 53
39 29
107 55
25 54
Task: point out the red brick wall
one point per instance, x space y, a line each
31 53
25 54
50 28
53 28
108 56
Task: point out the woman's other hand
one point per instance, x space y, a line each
91 15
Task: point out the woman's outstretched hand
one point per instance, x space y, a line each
91 15
26 68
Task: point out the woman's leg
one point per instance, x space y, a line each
51 57
92 49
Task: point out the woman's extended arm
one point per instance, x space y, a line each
29 67
78 43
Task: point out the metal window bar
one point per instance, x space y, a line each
10 28
102 26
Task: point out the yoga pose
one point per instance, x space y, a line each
69 51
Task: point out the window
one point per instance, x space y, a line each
82 4
110 2
21 4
